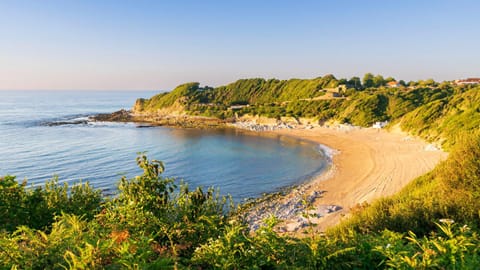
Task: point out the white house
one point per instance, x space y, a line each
380 125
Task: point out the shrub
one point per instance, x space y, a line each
37 207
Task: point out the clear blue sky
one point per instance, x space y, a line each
102 44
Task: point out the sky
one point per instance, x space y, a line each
156 45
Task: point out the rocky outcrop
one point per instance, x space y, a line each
139 105
295 209
118 116
184 121
160 119
62 123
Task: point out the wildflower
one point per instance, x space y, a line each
119 236
447 221
465 228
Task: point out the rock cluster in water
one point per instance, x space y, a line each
118 116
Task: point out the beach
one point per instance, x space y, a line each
367 164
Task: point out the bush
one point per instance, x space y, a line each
37 207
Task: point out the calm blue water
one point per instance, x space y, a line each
239 164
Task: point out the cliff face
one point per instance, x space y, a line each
176 109
174 99
138 107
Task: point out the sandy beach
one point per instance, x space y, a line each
368 164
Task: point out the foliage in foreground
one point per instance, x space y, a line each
152 224
37 207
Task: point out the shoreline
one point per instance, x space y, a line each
367 164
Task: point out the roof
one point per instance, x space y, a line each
468 81
393 83
471 80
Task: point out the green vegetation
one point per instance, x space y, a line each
37 207
164 100
261 91
156 223
150 224
416 106
443 118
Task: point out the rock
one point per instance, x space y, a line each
334 208
314 196
61 123
431 147
118 116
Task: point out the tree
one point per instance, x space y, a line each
355 83
426 83
368 80
378 81
412 83
390 79
342 81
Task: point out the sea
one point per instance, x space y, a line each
47 134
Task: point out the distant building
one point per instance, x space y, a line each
467 81
393 84
380 125
335 91
237 107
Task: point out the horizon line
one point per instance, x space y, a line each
206 84
76 89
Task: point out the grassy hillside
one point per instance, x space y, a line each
434 113
165 100
261 91
430 112
246 91
443 118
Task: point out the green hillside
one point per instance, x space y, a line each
434 112
165 100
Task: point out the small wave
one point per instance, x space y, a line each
76 119
49 120
66 120
328 152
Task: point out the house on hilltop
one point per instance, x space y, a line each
393 84
335 91
468 81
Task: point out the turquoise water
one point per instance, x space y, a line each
239 163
